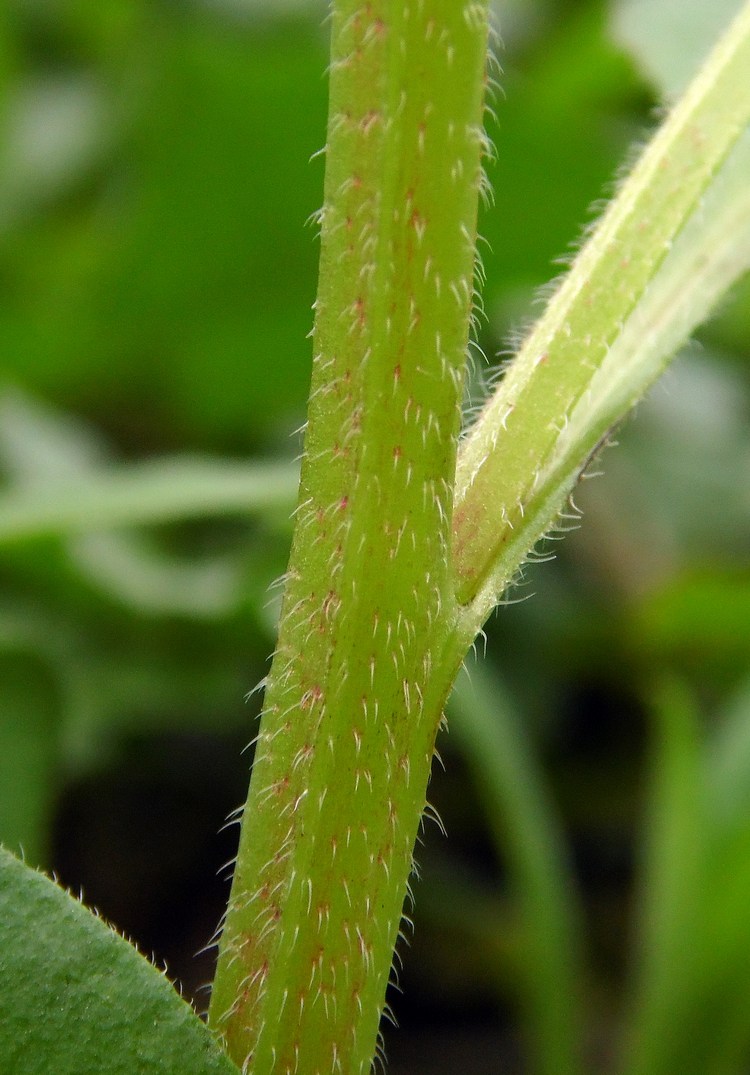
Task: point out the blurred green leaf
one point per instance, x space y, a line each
702 619
57 129
673 875
670 38
560 134
525 828
729 763
691 1013
30 715
129 569
168 291
61 486
156 491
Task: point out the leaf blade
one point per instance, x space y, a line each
74 996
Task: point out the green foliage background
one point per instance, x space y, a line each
155 284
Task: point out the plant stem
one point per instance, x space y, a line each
359 679
387 587
582 367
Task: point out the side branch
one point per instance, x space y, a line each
664 251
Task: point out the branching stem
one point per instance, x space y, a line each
388 582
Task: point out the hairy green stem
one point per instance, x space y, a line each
359 678
633 294
387 583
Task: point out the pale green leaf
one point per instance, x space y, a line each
670 38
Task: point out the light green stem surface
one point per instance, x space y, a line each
633 294
359 678
387 584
